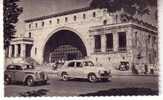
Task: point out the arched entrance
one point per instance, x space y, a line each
64 45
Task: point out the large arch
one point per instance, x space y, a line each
64 44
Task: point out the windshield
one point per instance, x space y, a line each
88 63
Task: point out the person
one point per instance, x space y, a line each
146 69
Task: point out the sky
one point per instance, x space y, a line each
37 8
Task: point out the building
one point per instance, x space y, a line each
95 34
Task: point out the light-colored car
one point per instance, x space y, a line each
83 69
24 73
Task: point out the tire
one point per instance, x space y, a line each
30 81
92 78
7 80
64 76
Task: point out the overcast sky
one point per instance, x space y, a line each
37 8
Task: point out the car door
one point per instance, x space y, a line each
79 70
19 73
71 69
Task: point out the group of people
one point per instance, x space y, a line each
143 68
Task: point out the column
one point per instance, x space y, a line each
103 43
10 51
115 41
22 52
16 50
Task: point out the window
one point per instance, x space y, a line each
11 67
97 43
94 14
29 26
43 24
36 25
58 21
105 22
71 64
109 42
19 49
35 51
122 41
13 49
84 16
29 35
66 19
75 18
50 22
78 64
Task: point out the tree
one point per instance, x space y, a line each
130 7
11 13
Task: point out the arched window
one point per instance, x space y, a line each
74 18
58 21
84 16
94 14
42 24
36 25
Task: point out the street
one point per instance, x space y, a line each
76 87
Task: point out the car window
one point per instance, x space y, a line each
11 67
71 64
88 63
17 67
78 64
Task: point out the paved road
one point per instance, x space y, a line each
55 87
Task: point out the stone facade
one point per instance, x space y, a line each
140 43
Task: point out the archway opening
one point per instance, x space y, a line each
64 45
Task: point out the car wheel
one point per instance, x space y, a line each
64 76
92 78
30 81
7 80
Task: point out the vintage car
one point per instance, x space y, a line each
123 66
83 69
25 73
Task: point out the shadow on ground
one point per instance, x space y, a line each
124 92
34 93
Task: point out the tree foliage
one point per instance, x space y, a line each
130 7
11 13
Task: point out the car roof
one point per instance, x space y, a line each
19 64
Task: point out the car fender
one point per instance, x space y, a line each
29 75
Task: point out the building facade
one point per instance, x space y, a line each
104 37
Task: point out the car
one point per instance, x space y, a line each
84 69
123 66
25 73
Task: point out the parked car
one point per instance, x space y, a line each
83 69
25 73
123 66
